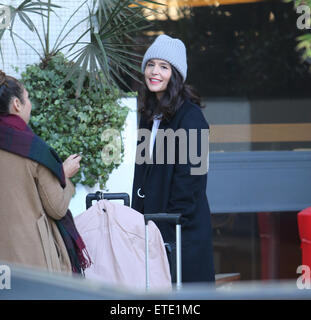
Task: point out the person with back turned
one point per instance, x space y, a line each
36 229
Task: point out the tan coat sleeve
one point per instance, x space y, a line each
55 199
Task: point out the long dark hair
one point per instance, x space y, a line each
175 94
9 89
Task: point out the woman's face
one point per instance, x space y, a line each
157 76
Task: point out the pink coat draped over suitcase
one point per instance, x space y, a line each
115 240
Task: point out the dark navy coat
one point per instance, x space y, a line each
170 188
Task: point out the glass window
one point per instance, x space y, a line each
258 246
243 61
259 125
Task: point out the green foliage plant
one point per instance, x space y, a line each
103 55
73 124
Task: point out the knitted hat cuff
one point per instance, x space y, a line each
168 49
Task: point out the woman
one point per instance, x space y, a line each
36 227
165 186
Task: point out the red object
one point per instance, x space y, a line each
304 227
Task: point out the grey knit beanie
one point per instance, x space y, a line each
168 49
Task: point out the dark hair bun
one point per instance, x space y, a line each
2 77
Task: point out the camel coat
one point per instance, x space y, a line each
31 197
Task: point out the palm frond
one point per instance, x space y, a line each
26 42
110 52
22 11
57 42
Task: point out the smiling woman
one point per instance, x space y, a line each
167 103
157 76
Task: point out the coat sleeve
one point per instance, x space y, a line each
55 200
185 185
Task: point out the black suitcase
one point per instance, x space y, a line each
173 250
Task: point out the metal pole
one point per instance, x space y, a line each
178 257
147 256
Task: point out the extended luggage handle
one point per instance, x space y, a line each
171 218
109 196
167 217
